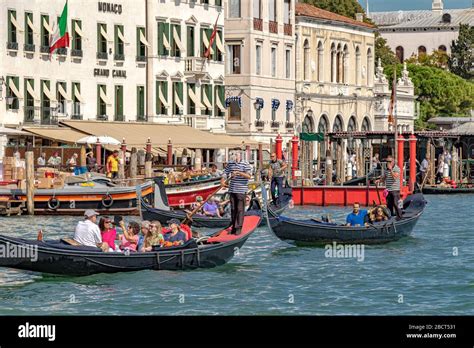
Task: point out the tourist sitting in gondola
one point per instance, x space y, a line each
377 214
88 233
153 237
211 208
357 217
225 208
108 232
175 236
130 237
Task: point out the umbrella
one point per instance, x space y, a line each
103 139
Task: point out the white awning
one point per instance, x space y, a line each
219 104
104 34
120 35
63 92
78 95
177 39
206 41
143 39
206 98
78 29
31 90
104 97
30 24
14 22
48 93
166 43
194 98
47 26
162 97
220 45
13 88
177 100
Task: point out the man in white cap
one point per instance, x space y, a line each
88 233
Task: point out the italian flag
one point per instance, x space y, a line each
60 38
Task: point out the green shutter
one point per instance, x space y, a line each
164 86
203 47
99 36
138 41
138 101
167 34
161 46
11 27
190 41
116 38
98 100
214 44
180 90
157 96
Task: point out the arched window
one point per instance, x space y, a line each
306 60
339 64
421 50
351 125
333 63
308 124
442 48
338 126
366 124
345 63
370 67
357 68
400 52
320 61
323 127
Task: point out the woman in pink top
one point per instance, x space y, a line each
129 238
109 234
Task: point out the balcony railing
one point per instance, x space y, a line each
120 57
76 53
141 58
13 46
30 114
289 125
259 124
102 55
119 118
258 24
44 49
61 51
48 118
194 66
29 48
142 118
197 122
288 29
275 124
76 111
273 27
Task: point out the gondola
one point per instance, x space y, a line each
314 231
439 190
162 212
60 258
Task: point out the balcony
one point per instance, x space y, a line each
275 124
29 48
48 118
288 29
258 24
141 59
259 124
31 114
61 51
102 55
197 122
102 117
12 46
195 66
76 53
339 90
119 57
289 125
273 27
44 49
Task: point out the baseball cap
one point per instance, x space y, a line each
174 221
90 213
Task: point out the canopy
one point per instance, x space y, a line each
103 139
61 134
312 136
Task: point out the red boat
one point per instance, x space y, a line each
185 194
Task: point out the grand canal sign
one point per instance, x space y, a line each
106 73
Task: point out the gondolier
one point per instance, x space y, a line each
392 182
239 173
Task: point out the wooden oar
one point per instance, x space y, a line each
378 193
190 215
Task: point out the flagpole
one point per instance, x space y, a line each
395 120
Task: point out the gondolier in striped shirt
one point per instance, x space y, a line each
392 183
239 173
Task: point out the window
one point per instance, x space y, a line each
141 43
176 45
421 50
366 124
274 61
190 41
163 39
286 11
29 100
338 127
76 35
442 48
306 57
258 57
45 101
12 26
219 97
357 67
257 9
219 46
119 103
333 63
44 33
370 67
234 8
206 35
320 61
161 97
101 103
234 111
272 12
102 38
233 63
400 54
61 97
177 98
140 103
218 2
76 100
119 43
287 64
191 97
352 126
28 29
13 84
206 98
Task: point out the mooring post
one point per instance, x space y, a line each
30 182
133 165
412 141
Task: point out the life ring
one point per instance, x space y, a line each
53 203
107 201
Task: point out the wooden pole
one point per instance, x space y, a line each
133 165
148 170
319 158
30 182
121 173
83 156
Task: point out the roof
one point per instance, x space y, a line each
136 134
422 18
307 10
450 120
375 134
464 129
11 131
62 134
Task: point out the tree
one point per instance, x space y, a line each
347 8
383 51
461 61
437 59
439 92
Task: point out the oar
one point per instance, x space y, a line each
190 215
378 193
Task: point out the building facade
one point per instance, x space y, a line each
127 61
335 72
410 33
260 68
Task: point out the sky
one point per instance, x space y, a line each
395 5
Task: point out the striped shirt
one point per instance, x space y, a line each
238 184
392 184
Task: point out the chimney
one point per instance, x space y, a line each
359 17
437 5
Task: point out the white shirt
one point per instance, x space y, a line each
41 161
87 233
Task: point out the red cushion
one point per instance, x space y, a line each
250 223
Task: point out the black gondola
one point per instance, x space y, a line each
313 231
57 257
438 190
162 212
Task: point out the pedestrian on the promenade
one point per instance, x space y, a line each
276 173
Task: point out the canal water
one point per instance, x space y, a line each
431 273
